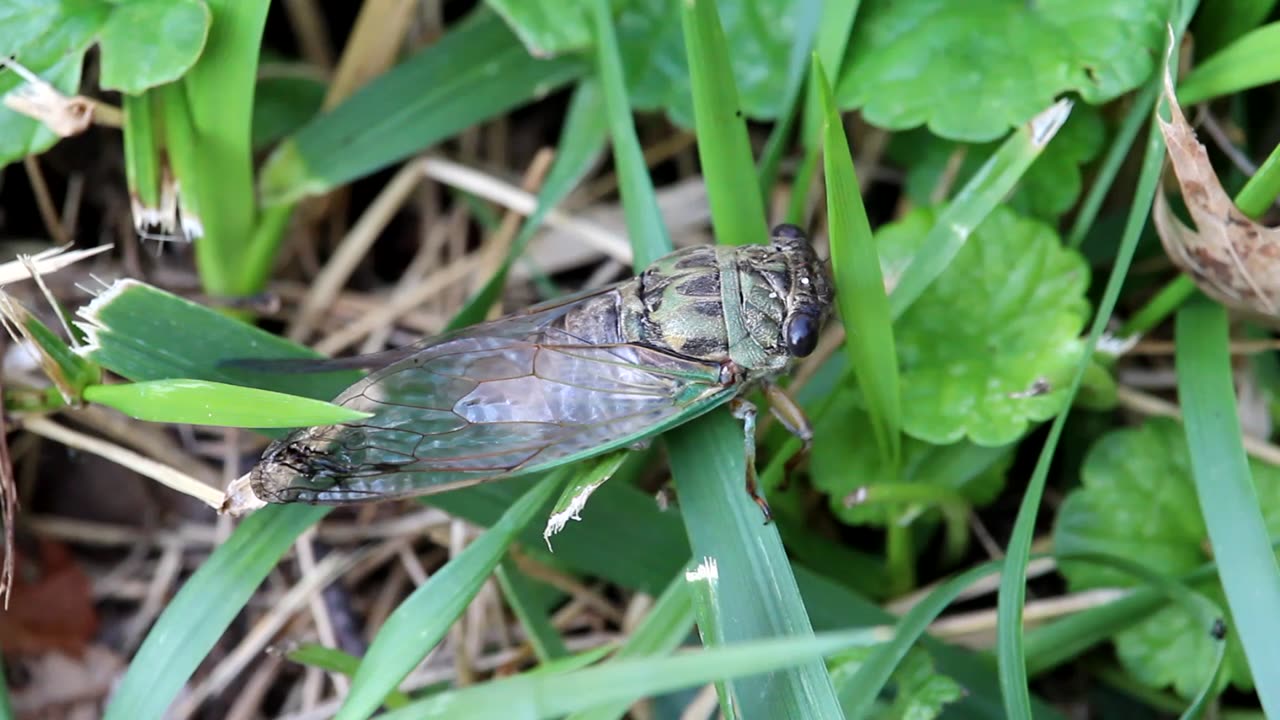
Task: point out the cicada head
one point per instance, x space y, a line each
809 294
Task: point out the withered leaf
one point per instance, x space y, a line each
1233 259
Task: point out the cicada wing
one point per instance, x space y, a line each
505 398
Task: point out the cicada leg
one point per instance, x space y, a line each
793 419
746 412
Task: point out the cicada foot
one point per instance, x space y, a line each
746 412
794 420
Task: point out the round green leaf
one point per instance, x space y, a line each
652 46
848 459
1137 500
175 34
972 70
992 344
1172 648
201 402
23 21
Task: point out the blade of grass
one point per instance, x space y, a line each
855 262
219 93
987 188
422 619
758 596
548 696
335 660
836 28
207 603
202 402
649 237
812 17
870 679
1224 485
663 629
517 588
581 143
1013 583
704 586
478 70
758 593
831 606
723 146
1139 113
1248 62
141 157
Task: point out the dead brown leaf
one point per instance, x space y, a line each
52 609
1233 259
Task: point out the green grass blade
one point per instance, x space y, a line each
812 18
855 262
704 585
582 141
987 188
219 91
723 146
541 695
1013 582
663 629
870 679
143 333
1248 62
201 402
757 591
141 153
518 589
478 70
1139 113
335 660
201 611
832 606
649 237
758 596
422 619
1228 500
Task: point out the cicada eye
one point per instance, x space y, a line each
787 231
802 334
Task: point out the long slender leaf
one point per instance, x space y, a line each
202 402
1012 595
1251 60
535 696
518 589
581 143
987 188
723 146
757 593
1228 499
201 611
424 617
864 306
476 71
649 237
667 624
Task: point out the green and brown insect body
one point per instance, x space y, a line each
566 380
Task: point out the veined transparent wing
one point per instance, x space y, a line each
514 396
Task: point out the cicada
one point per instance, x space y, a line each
570 379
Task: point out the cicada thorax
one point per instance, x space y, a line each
721 303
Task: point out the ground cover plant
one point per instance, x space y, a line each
1042 480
